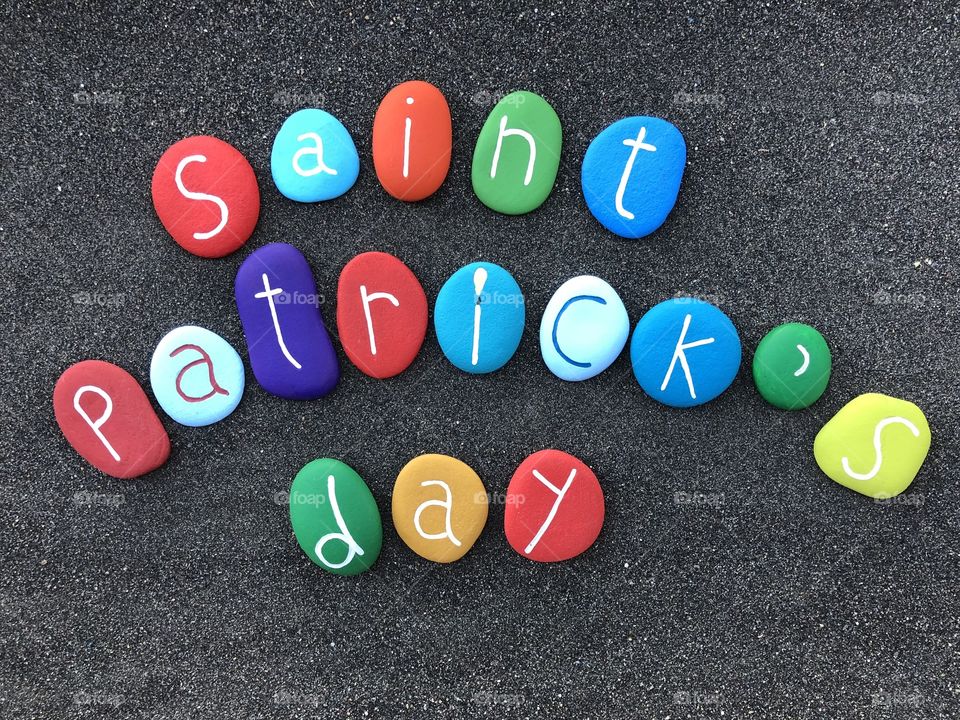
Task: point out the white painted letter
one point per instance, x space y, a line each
408 123
268 293
316 150
366 300
876 446
224 212
678 354
96 425
343 536
447 505
521 133
479 280
637 145
560 493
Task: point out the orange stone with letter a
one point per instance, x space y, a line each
412 140
439 507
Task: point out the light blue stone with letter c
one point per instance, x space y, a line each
479 317
314 157
685 352
196 376
631 174
584 328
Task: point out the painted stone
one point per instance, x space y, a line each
196 376
335 518
631 175
412 140
554 507
106 416
206 195
517 154
381 314
313 157
791 367
479 317
439 507
685 352
290 351
583 329
874 445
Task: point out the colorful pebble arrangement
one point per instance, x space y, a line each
684 352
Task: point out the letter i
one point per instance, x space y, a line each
479 280
408 123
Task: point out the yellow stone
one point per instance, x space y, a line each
874 445
439 507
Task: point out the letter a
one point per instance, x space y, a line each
447 505
316 150
224 212
344 536
521 133
96 425
204 359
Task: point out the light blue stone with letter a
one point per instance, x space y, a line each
196 376
685 352
631 174
314 157
479 317
583 329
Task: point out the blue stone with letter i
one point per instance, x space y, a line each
631 174
479 317
685 352
290 350
314 157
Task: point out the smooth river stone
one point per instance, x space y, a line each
412 140
206 195
583 329
685 352
313 157
554 507
875 445
439 507
791 367
479 317
196 376
631 174
290 351
381 314
335 518
517 154
105 415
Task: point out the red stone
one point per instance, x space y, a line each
430 140
398 331
222 181
578 517
130 431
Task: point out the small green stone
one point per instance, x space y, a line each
791 367
335 518
531 124
875 445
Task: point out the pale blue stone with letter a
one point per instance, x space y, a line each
479 317
685 352
314 157
631 174
196 376
583 329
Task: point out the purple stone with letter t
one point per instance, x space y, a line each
290 350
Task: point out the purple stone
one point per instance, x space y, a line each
290 351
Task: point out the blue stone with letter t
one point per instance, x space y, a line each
631 174
685 352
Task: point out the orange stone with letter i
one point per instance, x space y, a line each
412 140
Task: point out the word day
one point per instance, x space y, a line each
684 352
